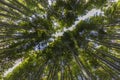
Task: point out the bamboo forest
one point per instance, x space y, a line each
59 39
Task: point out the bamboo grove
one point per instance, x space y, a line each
29 31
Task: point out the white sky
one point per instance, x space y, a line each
113 0
88 15
17 62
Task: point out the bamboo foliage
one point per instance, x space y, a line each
88 52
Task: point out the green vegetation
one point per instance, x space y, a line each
91 51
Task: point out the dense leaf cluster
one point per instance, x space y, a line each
90 51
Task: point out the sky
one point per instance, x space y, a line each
17 62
